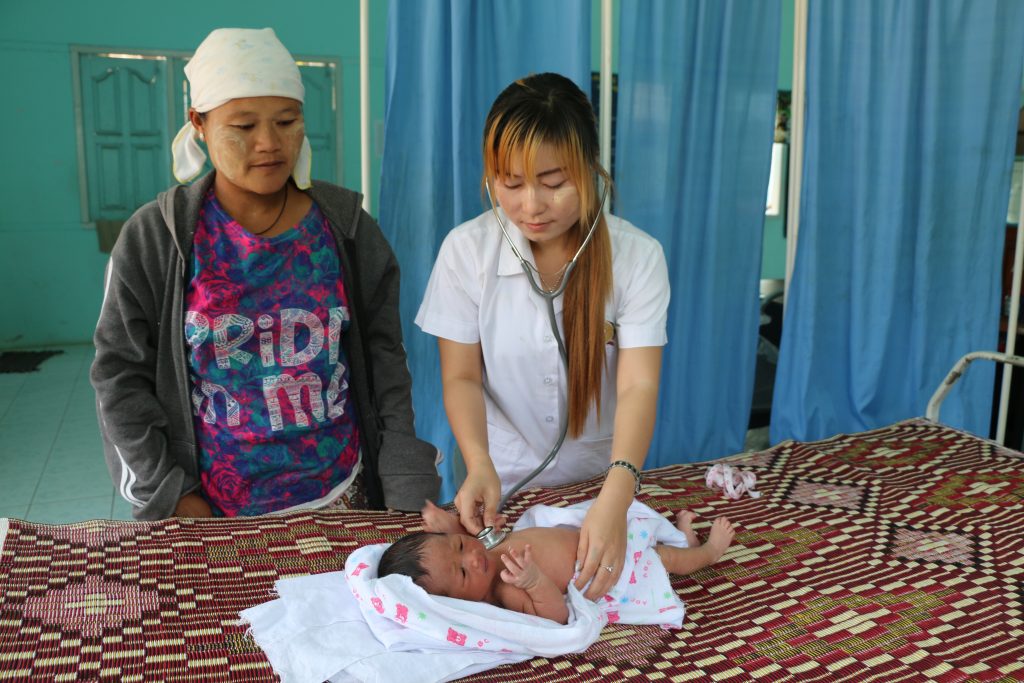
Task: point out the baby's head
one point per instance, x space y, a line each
453 565
405 557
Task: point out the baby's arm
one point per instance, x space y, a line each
537 593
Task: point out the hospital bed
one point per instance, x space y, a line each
894 554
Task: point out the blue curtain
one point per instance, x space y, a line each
446 62
696 111
911 110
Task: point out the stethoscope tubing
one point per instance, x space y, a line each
549 298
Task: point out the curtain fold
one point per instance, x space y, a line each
910 117
446 62
696 112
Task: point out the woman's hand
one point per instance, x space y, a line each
602 545
192 505
482 489
603 535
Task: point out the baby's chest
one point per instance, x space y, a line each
553 550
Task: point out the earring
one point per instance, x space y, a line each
202 137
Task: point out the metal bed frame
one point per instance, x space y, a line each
935 403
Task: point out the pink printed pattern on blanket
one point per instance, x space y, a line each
635 592
626 594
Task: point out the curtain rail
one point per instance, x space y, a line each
364 103
796 136
606 86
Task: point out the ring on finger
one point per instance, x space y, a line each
608 568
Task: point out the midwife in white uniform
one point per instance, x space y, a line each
505 387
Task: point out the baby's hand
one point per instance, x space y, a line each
437 520
520 570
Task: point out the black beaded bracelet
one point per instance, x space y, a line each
625 464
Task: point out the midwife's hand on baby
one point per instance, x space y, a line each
602 547
482 489
520 569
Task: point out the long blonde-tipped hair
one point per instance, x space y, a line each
549 109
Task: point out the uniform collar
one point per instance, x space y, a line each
508 264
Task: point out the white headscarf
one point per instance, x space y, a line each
233 63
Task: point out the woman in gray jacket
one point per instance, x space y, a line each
249 352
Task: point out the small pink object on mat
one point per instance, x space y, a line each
733 482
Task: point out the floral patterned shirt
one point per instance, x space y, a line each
263 325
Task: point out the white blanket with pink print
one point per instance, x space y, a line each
352 625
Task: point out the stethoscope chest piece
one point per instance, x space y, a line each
491 537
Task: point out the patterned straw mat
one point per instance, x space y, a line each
891 555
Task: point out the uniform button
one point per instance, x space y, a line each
550 418
547 380
547 337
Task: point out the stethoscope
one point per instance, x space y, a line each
489 535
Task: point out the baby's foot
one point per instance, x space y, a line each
684 522
720 538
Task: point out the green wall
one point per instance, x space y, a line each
51 270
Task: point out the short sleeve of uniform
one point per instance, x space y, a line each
643 307
451 304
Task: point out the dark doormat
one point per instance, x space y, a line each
23 361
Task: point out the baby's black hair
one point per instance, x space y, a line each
405 556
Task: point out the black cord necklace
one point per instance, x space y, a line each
279 214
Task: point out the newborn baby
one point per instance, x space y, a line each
530 570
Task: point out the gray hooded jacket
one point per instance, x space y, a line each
140 372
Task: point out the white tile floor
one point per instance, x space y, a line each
51 457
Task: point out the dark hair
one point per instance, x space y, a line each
405 556
550 109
